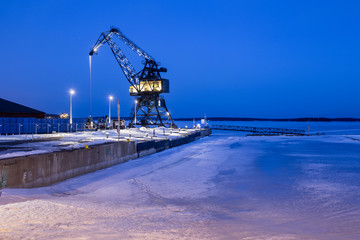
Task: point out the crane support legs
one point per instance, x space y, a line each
151 110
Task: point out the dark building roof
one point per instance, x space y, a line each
11 109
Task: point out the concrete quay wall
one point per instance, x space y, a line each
48 168
145 148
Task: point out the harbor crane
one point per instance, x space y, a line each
146 85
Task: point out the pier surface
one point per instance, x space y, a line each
46 159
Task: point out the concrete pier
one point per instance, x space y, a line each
48 168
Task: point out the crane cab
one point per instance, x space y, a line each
150 86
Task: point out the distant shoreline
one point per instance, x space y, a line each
321 119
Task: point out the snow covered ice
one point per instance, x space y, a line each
226 186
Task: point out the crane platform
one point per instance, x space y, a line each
260 130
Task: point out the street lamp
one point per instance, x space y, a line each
72 92
135 111
110 98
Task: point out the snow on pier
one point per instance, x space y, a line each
21 145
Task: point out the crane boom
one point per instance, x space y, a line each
127 68
125 65
132 45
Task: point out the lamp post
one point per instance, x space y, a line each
110 98
118 127
72 92
135 111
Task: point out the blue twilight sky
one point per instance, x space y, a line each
224 58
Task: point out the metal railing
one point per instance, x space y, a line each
260 130
19 126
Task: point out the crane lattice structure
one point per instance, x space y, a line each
146 85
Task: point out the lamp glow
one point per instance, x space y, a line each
110 98
72 92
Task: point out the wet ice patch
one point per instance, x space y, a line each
325 191
235 145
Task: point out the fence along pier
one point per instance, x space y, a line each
260 130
